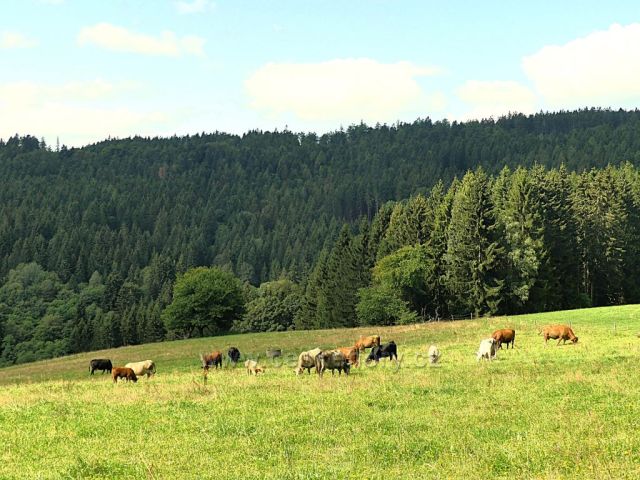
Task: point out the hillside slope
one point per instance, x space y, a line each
536 412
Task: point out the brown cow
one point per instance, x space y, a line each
368 342
213 358
124 373
352 354
505 335
561 332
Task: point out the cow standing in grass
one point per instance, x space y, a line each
124 373
352 354
103 364
332 360
145 367
387 350
505 335
307 360
434 354
212 359
234 355
487 350
367 342
561 332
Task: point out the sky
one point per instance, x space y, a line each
78 71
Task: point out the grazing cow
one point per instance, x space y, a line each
488 349
332 360
368 342
103 364
434 354
213 358
124 373
234 355
146 367
387 350
352 354
253 367
307 360
561 332
505 335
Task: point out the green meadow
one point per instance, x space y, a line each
543 412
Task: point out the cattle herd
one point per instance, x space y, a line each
130 372
340 359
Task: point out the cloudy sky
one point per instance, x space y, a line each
82 71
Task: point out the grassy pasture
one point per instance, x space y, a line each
536 412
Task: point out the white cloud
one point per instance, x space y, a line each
345 90
496 98
74 111
601 69
195 6
119 39
9 40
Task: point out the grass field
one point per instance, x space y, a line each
571 411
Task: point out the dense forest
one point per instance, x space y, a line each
367 225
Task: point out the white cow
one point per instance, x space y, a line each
307 360
488 349
146 367
434 354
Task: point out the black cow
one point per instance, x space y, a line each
234 355
103 364
387 350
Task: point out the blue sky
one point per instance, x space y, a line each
86 70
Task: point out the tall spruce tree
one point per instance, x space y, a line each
522 228
474 255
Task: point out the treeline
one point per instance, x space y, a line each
127 217
526 240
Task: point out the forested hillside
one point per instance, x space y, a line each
92 239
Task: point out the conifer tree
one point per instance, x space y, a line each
474 256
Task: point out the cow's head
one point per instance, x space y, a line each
574 339
205 362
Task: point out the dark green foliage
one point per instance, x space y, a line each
474 253
116 222
380 305
205 301
273 309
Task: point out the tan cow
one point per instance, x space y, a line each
368 342
352 354
253 367
146 367
561 332
307 360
